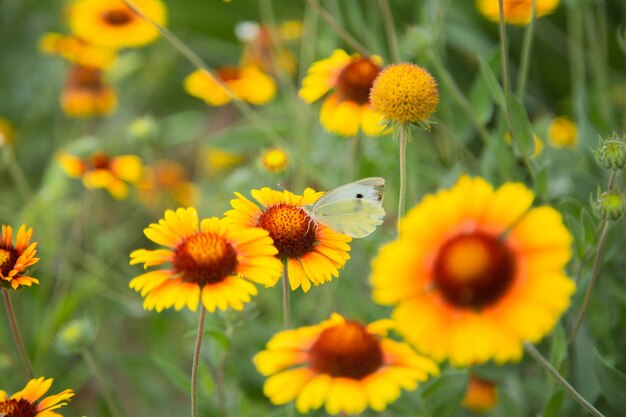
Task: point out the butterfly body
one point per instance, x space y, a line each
353 209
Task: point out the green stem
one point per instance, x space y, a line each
196 363
527 44
390 31
532 351
286 303
402 192
17 337
104 388
16 173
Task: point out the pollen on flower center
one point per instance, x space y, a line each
205 258
85 78
100 160
8 256
18 408
473 270
356 79
227 73
290 227
347 350
117 17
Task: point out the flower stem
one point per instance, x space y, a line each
16 173
526 52
196 362
392 39
286 304
402 192
536 355
106 393
17 337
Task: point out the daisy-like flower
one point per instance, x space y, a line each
166 181
347 109
562 133
475 272
15 259
249 84
86 94
104 171
314 253
275 160
77 50
215 264
516 12
113 24
24 403
341 364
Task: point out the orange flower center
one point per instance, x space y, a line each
17 408
8 257
118 17
205 259
474 270
85 78
100 160
290 227
228 74
356 79
346 350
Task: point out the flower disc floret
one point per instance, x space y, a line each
25 403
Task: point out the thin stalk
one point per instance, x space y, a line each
16 173
196 363
402 192
527 47
17 337
104 388
390 30
220 377
286 303
536 355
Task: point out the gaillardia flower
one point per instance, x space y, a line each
249 84
214 264
24 403
341 364
15 259
86 94
562 133
166 181
104 171
275 160
77 50
475 272
405 93
314 253
113 24
516 12
347 108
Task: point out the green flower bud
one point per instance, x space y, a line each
609 205
144 128
76 335
611 154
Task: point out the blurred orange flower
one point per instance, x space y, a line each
247 83
86 94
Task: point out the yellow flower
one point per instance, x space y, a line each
258 49
217 160
563 133
475 272
77 50
538 144
104 171
165 181
516 12
214 264
347 109
481 395
14 260
7 132
24 403
275 160
247 83
314 254
341 364
112 24
405 93
86 94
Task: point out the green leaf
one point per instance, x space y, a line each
541 181
492 82
522 129
481 99
612 383
445 393
578 231
589 226
172 372
554 404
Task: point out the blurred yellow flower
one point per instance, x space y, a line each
258 50
481 395
538 144
347 109
166 181
405 93
76 50
247 83
516 12
24 403
217 160
7 132
104 171
563 133
275 160
86 94
340 364
15 259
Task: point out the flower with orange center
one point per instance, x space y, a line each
313 253
86 94
166 181
341 364
347 109
111 23
481 395
24 403
14 260
76 50
516 12
214 264
249 84
104 171
475 272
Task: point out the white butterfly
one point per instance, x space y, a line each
354 209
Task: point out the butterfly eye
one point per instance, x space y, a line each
359 195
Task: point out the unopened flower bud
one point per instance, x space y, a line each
609 205
611 154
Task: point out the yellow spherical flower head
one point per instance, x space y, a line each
342 365
275 160
86 94
313 253
562 133
77 50
247 83
405 93
481 395
213 264
24 403
7 132
516 12
104 171
347 109
15 259
166 181
475 272
111 23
